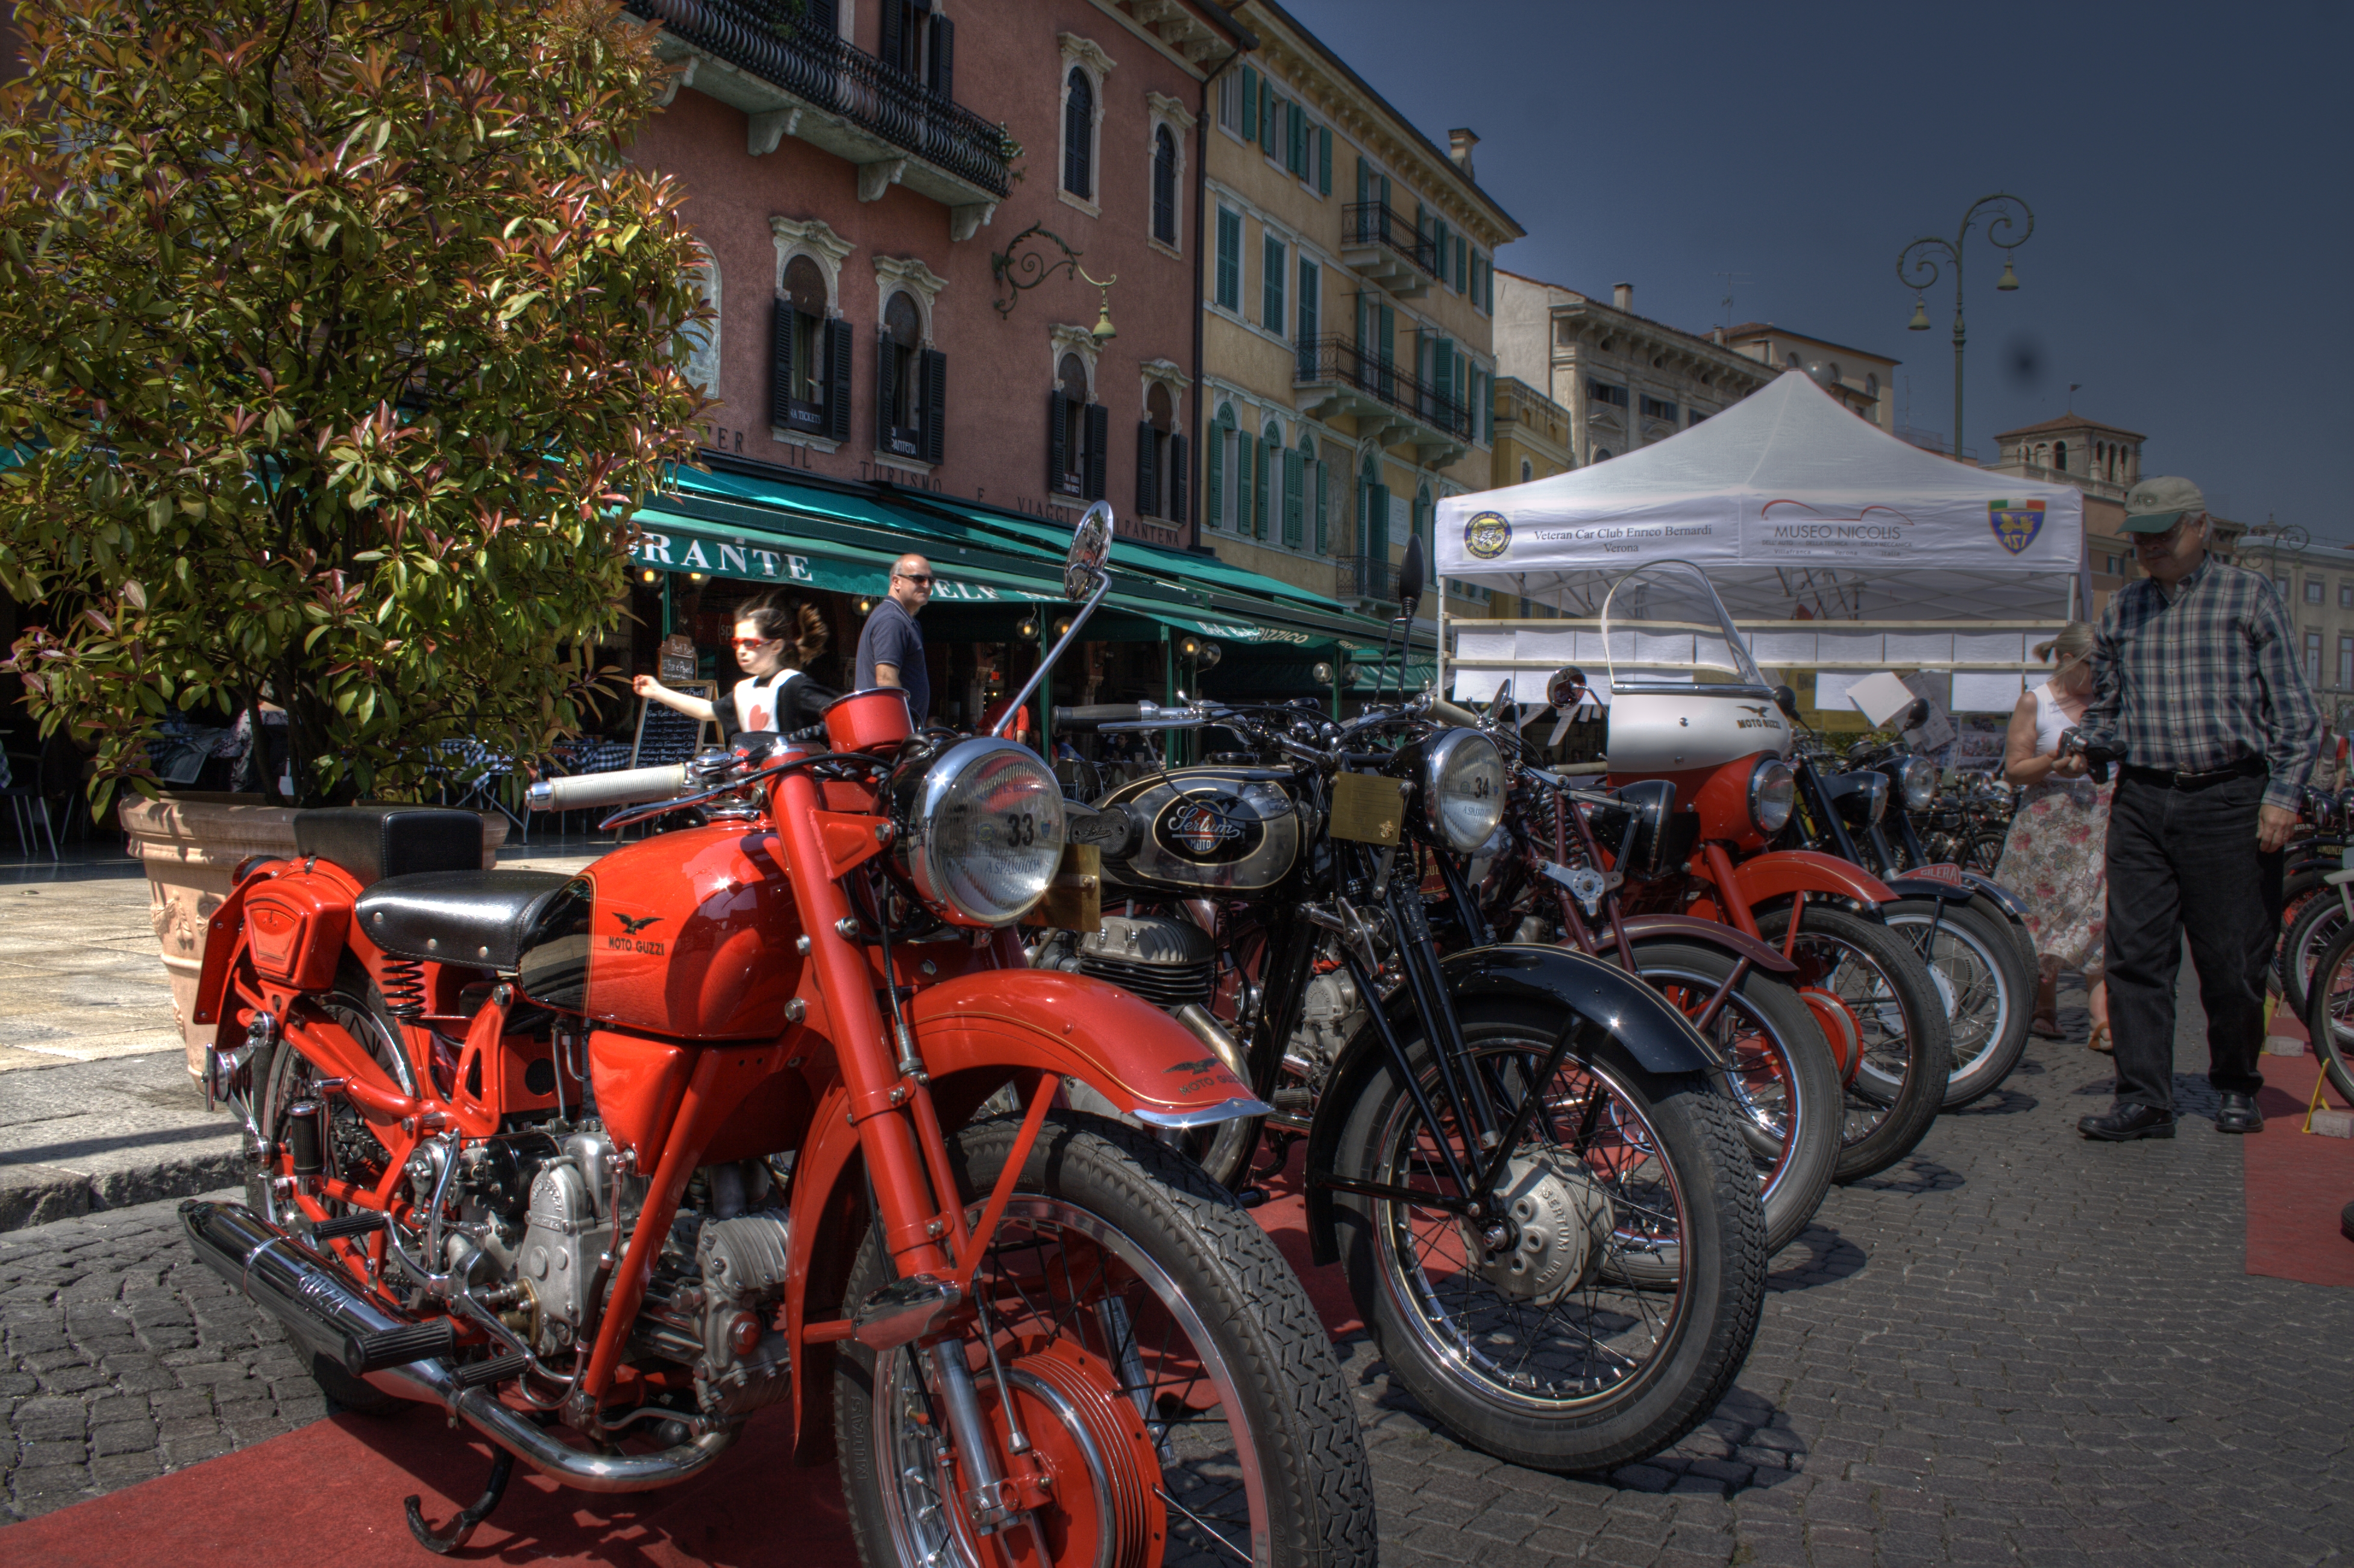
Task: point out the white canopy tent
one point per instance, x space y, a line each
1787 500
1837 547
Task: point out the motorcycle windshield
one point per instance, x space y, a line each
1664 629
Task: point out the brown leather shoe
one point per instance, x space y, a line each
2127 1123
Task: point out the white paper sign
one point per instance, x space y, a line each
1879 697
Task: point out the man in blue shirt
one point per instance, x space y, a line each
890 648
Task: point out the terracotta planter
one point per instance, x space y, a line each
192 845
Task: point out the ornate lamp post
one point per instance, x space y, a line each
1916 269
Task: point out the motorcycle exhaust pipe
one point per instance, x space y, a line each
1213 1033
330 1317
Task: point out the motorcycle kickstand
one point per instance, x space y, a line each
461 1527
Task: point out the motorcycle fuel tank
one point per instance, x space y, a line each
1207 829
1654 732
687 934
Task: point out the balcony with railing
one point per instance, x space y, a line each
1389 404
793 80
1366 577
1385 249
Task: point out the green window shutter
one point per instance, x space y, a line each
1217 463
1291 497
1377 524
1310 308
1250 105
1462 269
1364 180
1442 369
1230 260
1244 447
1323 508
1272 286
1267 459
1299 142
1265 116
1324 160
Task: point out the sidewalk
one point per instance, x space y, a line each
97 1109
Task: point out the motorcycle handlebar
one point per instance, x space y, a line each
627 787
1087 716
1446 712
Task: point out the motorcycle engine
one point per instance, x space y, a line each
1167 962
1329 1014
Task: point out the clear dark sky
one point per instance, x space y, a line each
2188 168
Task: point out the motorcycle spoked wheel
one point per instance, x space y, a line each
1874 974
1613 1369
1163 1360
2329 1010
1984 988
2299 891
2304 939
349 1148
1983 855
2022 941
1781 1077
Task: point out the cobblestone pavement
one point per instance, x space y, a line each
2013 1348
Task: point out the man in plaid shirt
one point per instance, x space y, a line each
2197 680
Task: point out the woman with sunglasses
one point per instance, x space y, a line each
2054 857
775 639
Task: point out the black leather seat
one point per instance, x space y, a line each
373 842
482 919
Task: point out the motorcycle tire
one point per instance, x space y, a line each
1875 974
1984 852
1199 1285
1670 1146
2329 1010
2023 940
1987 991
282 1076
2308 927
1781 1078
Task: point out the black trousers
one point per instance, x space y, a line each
2185 862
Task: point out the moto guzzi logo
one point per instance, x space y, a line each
628 941
1765 719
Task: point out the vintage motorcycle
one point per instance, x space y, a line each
1546 1215
604 1164
1689 708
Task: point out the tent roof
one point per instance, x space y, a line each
1790 440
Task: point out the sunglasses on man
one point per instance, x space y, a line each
921 579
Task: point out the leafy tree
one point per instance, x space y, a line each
337 342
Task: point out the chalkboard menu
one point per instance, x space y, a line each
665 735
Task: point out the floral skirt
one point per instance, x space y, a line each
2056 858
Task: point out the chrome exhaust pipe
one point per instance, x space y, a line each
1205 1028
330 1317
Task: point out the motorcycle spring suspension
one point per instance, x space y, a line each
403 984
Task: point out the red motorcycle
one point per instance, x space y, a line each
604 1164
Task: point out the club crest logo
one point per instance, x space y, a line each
1486 536
2015 527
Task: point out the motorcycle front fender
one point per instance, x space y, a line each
1709 933
1935 887
1636 1018
985 1027
1780 873
2013 906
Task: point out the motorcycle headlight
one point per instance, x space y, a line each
1875 794
1463 788
1919 782
982 833
1773 795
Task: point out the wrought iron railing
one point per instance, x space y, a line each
1340 361
1373 223
766 38
1367 576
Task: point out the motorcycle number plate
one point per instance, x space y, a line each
1368 807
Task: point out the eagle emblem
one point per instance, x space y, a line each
632 926
1193 1069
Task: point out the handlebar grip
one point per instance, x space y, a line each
1440 709
1086 716
627 787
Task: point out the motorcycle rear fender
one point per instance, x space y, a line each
1930 887
1641 1022
986 1027
1709 933
2013 907
1781 874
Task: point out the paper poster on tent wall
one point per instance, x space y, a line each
1830 689
1985 692
1978 743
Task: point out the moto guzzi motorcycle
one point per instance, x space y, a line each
1689 708
603 1165
1545 1213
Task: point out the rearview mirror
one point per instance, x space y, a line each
1567 688
1090 550
1913 718
1409 577
1787 701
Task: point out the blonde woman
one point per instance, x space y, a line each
2056 857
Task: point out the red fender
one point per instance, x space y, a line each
1778 873
1019 1020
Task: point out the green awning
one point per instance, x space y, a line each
775 552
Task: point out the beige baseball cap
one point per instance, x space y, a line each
2156 504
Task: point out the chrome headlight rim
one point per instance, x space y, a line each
1875 794
1454 753
929 857
1918 780
1773 795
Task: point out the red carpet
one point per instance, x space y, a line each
2297 1182
332 1492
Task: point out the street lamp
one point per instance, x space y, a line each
1916 269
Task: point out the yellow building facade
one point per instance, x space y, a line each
1348 360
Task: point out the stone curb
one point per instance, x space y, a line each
38 1194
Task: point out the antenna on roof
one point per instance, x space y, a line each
1732 280
2074 387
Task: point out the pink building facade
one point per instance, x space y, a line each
858 175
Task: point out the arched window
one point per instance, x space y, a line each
1224 474
1079 135
1071 408
899 400
1422 520
2060 456
1792 361
1159 457
1266 483
805 293
1372 530
1602 454
1527 471
700 364
1164 187
1871 385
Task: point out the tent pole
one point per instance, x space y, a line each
1441 687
